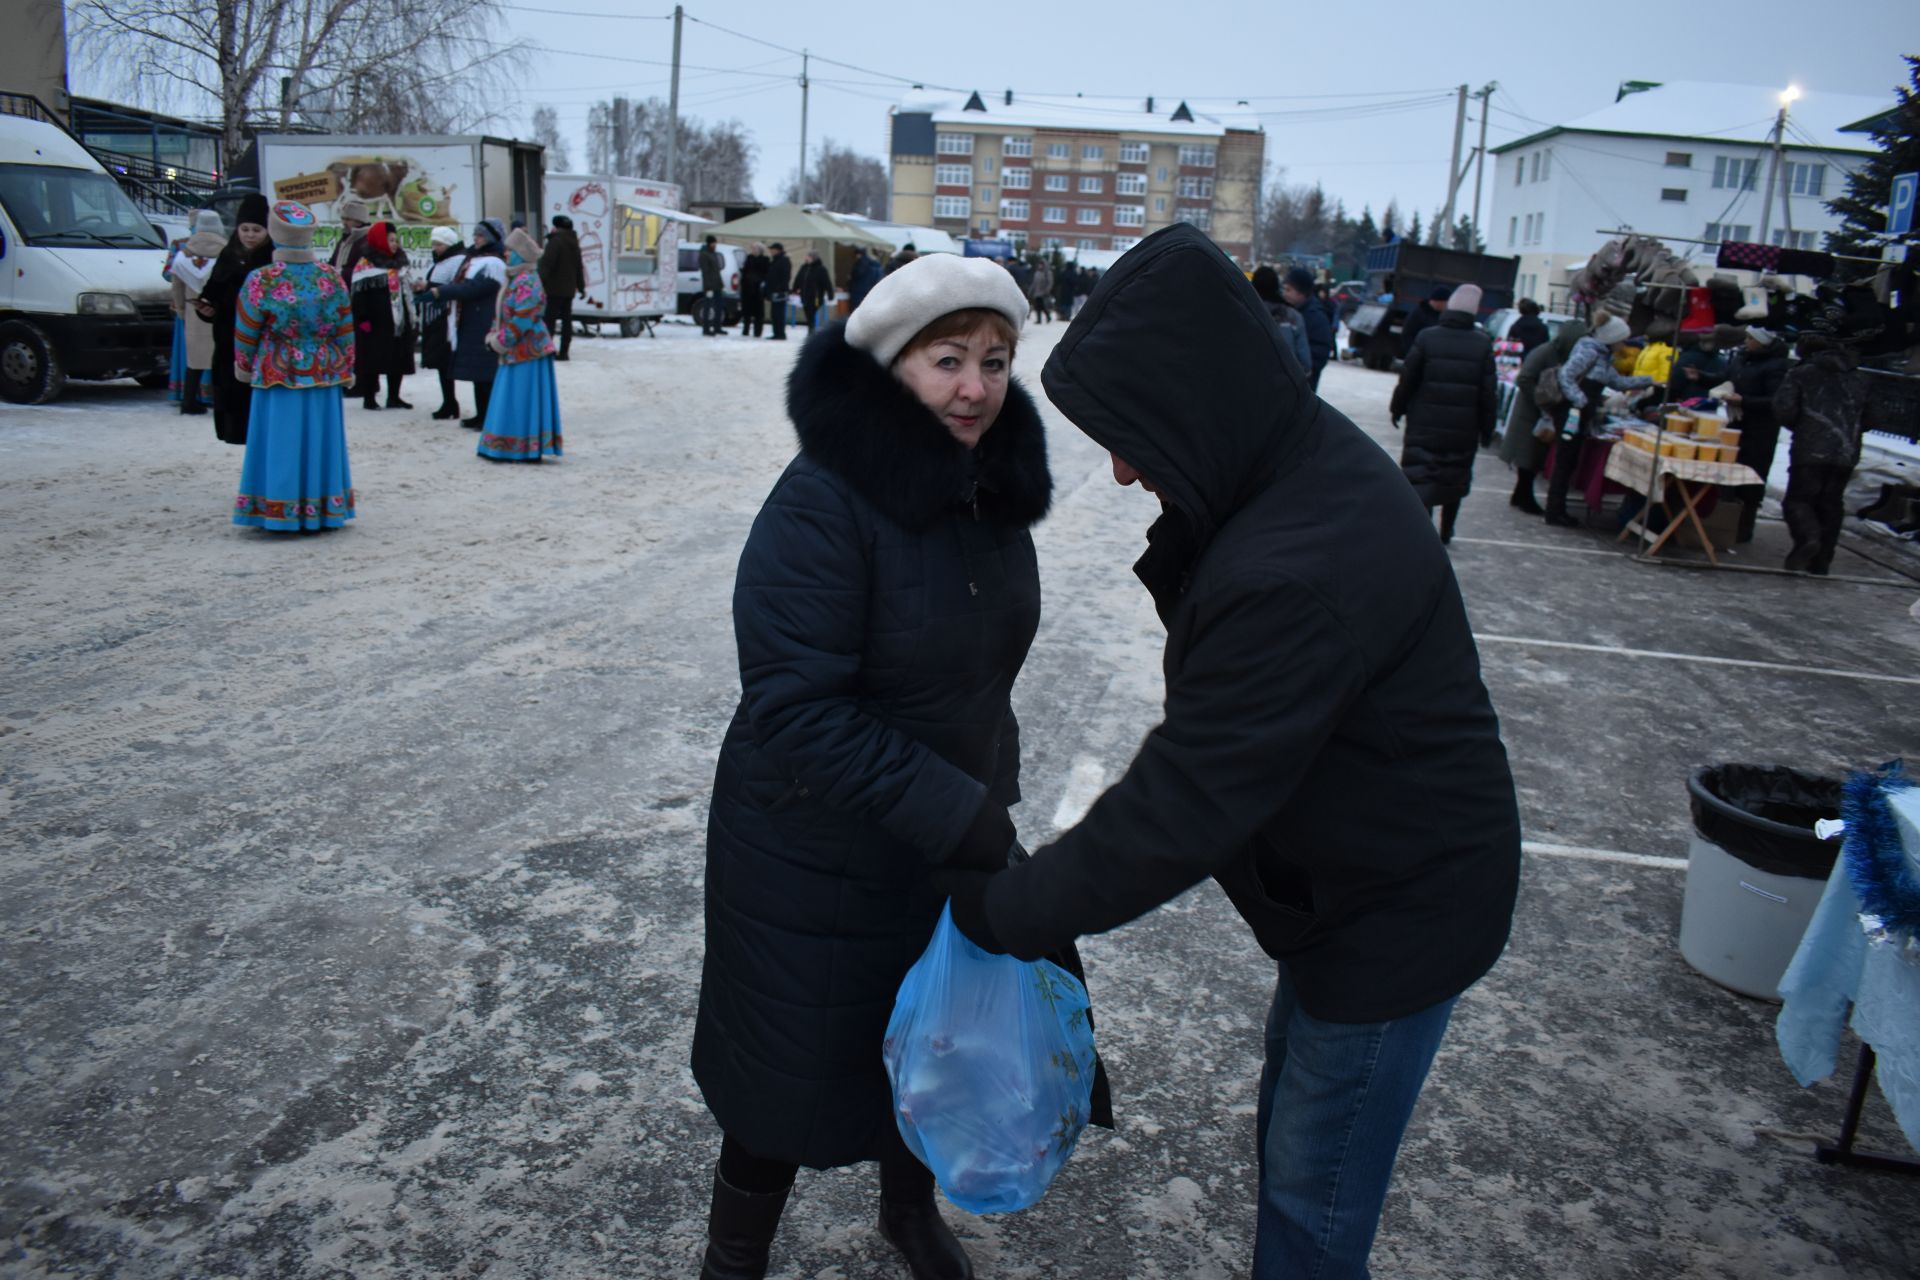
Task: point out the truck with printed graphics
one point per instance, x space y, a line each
631 232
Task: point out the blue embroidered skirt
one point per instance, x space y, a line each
295 473
523 417
177 369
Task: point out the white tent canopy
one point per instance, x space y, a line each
901 234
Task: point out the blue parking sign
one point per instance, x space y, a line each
1906 186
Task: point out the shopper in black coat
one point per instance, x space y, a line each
563 274
475 294
1298 293
883 606
1822 401
1327 752
1447 394
753 286
779 285
814 286
1756 371
1529 330
246 251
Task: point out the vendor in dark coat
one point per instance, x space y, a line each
1447 394
219 304
1327 751
474 293
883 606
1756 371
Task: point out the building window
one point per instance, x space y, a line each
1198 214
1159 204
1520 171
1734 172
1133 153
1016 238
1124 243
953 175
1513 231
1130 184
1053 242
1087 217
1053 213
1059 151
987 164
1679 159
1808 240
986 196
1129 215
1015 210
1806 179
1093 152
1017 146
1721 232
1674 195
1089 244
1092 186
952 207
954 144
1194 154
1196 188
1546 165
1161 174
985 227
1057 182
1017 178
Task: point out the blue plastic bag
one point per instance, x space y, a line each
992 1062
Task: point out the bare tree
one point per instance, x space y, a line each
714 162
843 180
345 64
546 132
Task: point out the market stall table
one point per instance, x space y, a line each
1692 479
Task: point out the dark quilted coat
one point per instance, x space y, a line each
1446 391
883 606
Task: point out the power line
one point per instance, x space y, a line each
834 62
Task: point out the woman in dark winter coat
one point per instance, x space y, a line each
884 604
1756 371
384 325
436 316
1530 331
219 305
473 292
1523 446
753 292
1446 392
1821 401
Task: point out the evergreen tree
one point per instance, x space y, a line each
1365 236
1389 221
1413 228
1466 238
1870 187
1437 226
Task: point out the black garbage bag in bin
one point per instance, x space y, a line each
1764 816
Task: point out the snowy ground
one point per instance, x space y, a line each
349 885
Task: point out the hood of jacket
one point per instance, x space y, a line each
1834 361
1174 365
863 424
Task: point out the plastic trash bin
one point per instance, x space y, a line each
1755 871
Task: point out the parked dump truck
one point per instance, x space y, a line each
1410 272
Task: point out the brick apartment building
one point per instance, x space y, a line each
1087 173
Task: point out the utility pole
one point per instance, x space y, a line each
1480 157
673 102
804 57
1773 169
1454 173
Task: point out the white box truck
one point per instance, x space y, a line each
630 231
81 290
417 182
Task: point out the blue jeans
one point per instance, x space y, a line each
1335 1098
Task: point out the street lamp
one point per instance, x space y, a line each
1788 96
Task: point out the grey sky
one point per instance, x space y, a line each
1557 62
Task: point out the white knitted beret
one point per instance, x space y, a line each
913 297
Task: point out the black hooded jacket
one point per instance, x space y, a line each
1447 392
884 603
1328 752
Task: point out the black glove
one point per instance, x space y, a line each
986 842
968 892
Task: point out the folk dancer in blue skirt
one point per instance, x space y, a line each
523 416
193 336
294 343
185 384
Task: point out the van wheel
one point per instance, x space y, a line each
629 327
30 371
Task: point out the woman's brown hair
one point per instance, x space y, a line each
963 323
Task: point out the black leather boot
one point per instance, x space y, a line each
740 1229
922 1236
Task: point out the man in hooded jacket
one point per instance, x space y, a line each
1328 752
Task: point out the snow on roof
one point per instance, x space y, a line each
1210 117
1708 111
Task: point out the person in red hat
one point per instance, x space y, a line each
384 319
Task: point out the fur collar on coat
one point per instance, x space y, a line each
860 422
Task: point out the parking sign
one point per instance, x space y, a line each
1900 208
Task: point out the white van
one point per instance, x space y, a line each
81 291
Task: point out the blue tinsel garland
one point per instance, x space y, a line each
1876 862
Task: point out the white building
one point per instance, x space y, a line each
1687 159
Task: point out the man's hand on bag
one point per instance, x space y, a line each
968 891
987 840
